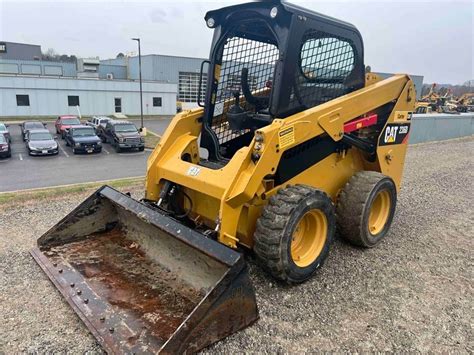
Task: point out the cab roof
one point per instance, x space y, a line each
68 116
289 9
39 131
114 122
80 126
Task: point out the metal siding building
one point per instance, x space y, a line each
49 96
22 51
37 67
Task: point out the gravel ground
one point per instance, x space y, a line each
413 292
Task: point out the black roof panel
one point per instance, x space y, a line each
289 8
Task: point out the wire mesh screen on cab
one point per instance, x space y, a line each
239 53
325 64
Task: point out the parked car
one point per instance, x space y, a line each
97 121
4 131
63 123
29 125
5 147
123 135
83 139
41 142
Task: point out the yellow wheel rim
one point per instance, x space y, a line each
379 212
309 238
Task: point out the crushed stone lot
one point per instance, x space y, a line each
413 292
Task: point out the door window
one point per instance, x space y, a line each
118 104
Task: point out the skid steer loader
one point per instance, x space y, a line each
293 140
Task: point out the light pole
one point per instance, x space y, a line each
140 77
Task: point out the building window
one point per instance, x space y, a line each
73 100
118 104
188 86
22 100
157 102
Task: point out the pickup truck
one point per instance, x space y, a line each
97 121
122 135
83 139
63 123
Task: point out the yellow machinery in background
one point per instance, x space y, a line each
293 141
466 102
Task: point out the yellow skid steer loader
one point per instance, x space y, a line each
293 140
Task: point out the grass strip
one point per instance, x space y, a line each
51 192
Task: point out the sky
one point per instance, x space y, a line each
430 38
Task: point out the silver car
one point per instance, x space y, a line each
41 142
5 132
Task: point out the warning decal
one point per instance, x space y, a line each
286 136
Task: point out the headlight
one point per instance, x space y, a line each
142 139
77 144
99 143
121 140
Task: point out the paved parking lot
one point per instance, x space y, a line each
22 171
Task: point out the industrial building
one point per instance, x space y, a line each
21 51
32 87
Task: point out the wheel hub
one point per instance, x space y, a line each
309 237
379 212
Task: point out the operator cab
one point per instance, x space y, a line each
269 60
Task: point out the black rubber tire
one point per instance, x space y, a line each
67 143
276 225
354 203
141 149
117 148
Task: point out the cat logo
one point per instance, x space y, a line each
391 134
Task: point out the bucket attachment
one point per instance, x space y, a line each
141 281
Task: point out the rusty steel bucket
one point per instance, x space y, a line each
141 281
